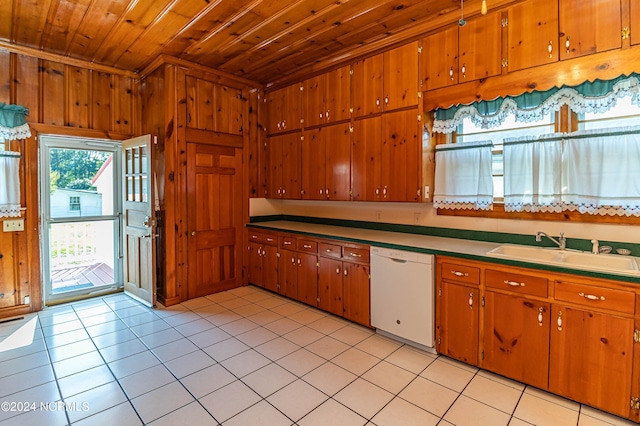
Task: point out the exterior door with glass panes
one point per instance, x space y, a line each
81 206
139 222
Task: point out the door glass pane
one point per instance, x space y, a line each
143 159
129 165
81 255
80 183
144 183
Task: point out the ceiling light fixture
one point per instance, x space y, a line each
483 8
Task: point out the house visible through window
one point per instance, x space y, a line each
510 128
74 204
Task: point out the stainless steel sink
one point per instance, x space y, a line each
568 258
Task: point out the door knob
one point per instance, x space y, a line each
193 233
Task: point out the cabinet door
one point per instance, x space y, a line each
7 272
440 59
400 156
338 95
400 77
516 338
275 110
591 358
367 86
288 273
313 164
589 26
533 34
291 166
337 143
314 91
255 264
635 22
292 107
330 285
274 166
365 159
457 324
356 293
308 278
270 267
480 48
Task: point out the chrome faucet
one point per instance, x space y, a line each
561 241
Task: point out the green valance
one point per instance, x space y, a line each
596 96
13 122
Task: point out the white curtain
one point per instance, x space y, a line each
532 174
601 172
9 184
463 177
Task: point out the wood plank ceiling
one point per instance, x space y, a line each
261 40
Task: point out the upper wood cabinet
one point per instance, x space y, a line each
326 98
386 157
589 26
284 109
386 81
283 166
326 163
635 22
461 54
212 106
532 34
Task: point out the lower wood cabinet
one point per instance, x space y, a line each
572 335
329 274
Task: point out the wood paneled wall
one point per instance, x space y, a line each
62 99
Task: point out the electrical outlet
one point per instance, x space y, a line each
426 192
13 225
378 216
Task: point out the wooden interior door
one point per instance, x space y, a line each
516 342
214 211
139 222
592 358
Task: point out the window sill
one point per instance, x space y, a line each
499 213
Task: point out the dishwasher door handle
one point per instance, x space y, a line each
399 260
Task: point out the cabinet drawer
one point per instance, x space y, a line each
526 284
600 297
357 255
255 237
289 243
330 250
460 273
308 246
269 239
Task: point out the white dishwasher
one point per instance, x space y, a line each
402 294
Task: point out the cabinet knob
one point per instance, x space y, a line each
338 271
471 300
559 320
320 116
540 317
193 233
567 45
550 49
451 73
386 100
463 70
321 191
326 114
378 102
284 124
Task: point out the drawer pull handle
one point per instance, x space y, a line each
514 283
470 300
338 271
307 246
328 250
269 240
355 255
287 243
559 321
591 296
460 274
540 312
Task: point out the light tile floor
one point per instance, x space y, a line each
245 357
